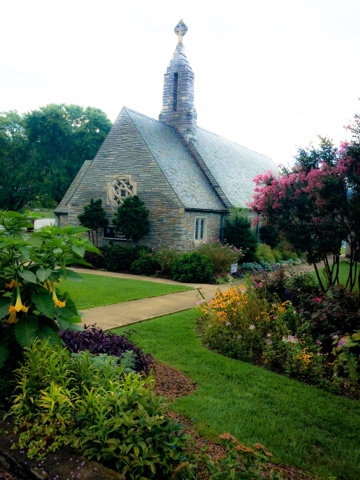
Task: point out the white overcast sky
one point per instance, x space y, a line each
269 74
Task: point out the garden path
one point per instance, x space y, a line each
127 313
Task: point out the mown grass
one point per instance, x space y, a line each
343 274
301 425
95 290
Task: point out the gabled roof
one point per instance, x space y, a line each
210 173
233 166
176 162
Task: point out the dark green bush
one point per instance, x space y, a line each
192 267
147 264
120 257
238 232
97 260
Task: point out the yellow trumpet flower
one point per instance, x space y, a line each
58 303
12 318
19 305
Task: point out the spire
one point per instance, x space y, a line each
178 107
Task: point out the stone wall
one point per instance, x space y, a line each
125 153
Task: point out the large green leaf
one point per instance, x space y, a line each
25 252
78 249
4 354
4 307
47 333
28 276
25 331
43 274
43 302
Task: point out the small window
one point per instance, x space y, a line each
200 229
175 91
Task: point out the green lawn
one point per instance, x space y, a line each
343 274
97 290
301 425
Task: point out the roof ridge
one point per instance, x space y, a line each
232 141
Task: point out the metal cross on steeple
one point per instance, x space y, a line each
180 30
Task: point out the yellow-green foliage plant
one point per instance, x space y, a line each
31 268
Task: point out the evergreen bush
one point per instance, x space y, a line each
120 257
147 264
192 267
238 232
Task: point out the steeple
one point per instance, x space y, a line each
178 107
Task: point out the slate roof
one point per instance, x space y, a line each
233 166
179 167
216 165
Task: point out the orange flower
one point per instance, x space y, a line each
12 284
261 447
227 436
244 448
58 303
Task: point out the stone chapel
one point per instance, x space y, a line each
187 177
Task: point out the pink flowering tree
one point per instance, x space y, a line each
316 205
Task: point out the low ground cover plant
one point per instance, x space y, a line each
94 340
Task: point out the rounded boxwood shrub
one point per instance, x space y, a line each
147 264
192 267
120 257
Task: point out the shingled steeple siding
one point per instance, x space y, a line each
178 108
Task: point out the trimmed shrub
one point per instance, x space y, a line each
120 257
192 267
147 264
97 260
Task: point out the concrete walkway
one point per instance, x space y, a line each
127 313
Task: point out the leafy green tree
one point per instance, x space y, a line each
61 138
238 232
19 181
93 218
131 218
42 151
